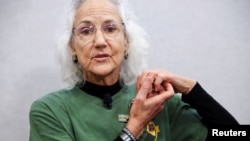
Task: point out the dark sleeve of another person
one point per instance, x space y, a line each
210 110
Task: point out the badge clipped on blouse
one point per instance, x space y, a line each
123 117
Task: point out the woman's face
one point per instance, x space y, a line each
99 41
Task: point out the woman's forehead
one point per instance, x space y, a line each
97 10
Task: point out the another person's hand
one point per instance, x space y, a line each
181 84
148 103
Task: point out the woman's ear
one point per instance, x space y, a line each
126 38
126 49
74 55
73 50
72 47
126 42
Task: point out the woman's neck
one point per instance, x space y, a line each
100 90
106 80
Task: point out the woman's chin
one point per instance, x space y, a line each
103 71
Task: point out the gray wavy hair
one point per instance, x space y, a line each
137 48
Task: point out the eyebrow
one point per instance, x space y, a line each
89 22
84 22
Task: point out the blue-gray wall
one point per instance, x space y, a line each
207 40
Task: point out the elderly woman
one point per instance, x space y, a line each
112 96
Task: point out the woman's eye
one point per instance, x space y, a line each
86 30
110 29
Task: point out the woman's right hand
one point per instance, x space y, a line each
147 104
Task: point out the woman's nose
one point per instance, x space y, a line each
99 38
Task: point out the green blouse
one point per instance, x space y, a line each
73 115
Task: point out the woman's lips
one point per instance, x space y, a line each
101 57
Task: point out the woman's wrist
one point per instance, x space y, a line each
136 131
127 135
188 85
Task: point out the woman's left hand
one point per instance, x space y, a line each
180 84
